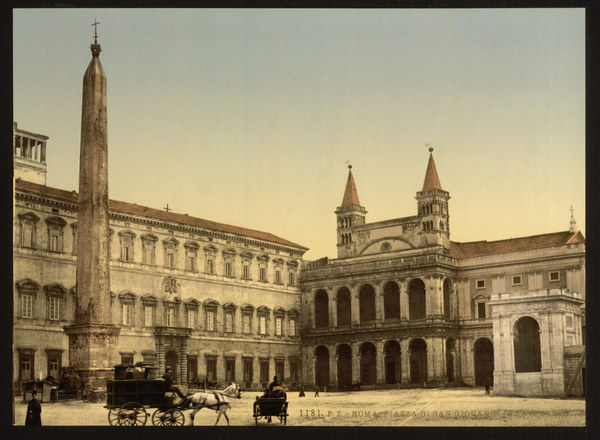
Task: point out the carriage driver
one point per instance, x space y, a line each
168 378
273 384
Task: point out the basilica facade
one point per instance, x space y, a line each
402 305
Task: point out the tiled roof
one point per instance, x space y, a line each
432 181
350 193
132 208
482 248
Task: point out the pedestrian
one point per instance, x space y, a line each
301 392
316 390
34 410
487 388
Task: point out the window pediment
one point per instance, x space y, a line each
55 289
149 237
247 308
170 242
127 295
263 258
292 264
263 310
149 299
229 252
29 216
28 286
229 307
210 303
279 311
192 303
127 234
293 313
480 297
192 245
210 249
278 262
247 255
56 221
175 300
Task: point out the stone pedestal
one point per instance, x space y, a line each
92 352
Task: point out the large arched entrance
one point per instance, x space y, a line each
344 307
171 360
416 299
367 303
484 362
528 357
322 366
418 361
450 350
368 369
391 301
393 373
344 366
321 309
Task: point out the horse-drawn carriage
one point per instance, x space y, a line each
129 399
272 404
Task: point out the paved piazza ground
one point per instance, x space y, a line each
414 407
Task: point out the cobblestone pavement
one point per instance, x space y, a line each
412 407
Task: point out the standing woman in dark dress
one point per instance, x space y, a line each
34 409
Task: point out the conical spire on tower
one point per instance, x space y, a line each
350 193
432 181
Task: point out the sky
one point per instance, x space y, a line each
251 117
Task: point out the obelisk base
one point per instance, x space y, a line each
93 352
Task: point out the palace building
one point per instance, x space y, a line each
211 300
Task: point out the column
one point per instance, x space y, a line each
405 361
355 363
256 372
403 300
43 152
430 359
379 312
332 367
435 295
311 376
332 308
380 362
355 305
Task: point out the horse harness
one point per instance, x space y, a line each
219 396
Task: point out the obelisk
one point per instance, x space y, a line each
93 337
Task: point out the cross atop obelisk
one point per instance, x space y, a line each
95 46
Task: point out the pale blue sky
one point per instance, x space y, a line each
248 117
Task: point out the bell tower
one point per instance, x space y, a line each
349 215
432 208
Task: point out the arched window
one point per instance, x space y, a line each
391 301
367 303
344 307
416 299
386 247
321 309
526 336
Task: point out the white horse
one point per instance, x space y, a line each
218 401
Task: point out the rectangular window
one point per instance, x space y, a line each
191 318
228 322
27 306
148 254
228 271
53 365
292 327
278 326
248 376
516 280
262 274
27 239
569 321
126 359
210 321
294 372
54 241
246 272
148 316
264 371
53 308
554 276
481 310
191 261
279 369
292 280
211 369
230 370
170 258
262 325
246 324
480 284
170 317
210 266
277 276
127 314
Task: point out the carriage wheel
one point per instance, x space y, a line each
132 414
113 417
168 417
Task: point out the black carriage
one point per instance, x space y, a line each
268 407
131 394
